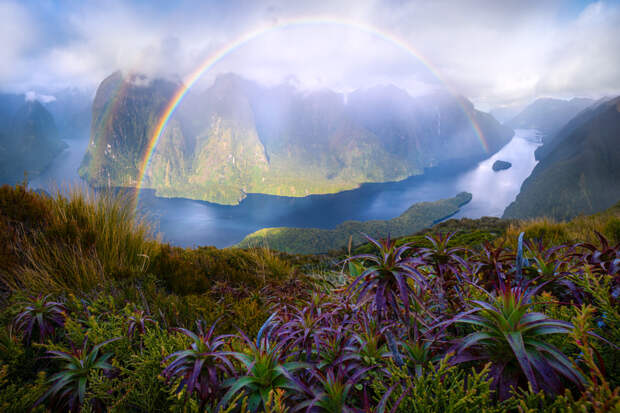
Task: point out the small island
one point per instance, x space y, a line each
501 165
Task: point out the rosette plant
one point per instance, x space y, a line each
491 261
547 262
40 318
448 267
137 322
512 337
422 347
203 367
387 278
267 368
330 391
69 386
303 331
370 340
337 346
443 257
605 259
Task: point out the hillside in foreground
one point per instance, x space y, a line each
98 315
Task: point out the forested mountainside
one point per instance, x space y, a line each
28 138
239 137
579 171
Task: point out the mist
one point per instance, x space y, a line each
495 53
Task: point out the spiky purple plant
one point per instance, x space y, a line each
450 270
137 323
302 331
203 367
604 259
512 337
330 391
387 278
40 318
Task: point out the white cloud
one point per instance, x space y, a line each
31 96
495 52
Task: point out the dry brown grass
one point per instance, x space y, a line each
84 240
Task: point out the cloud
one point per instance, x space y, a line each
31 96
496 53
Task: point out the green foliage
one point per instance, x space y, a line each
514 339
445 389
68 387
341 337
612 230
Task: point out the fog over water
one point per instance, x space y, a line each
186 222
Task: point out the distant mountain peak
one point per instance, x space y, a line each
238 136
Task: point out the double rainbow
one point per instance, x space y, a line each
229 48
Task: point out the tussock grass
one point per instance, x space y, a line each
80 241
579 229
268 264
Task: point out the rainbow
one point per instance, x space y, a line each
239 42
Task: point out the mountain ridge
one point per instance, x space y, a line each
29 138
578 170
238 137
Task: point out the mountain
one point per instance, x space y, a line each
578 171
505 113
71 109
28 138
548 115
316 240
239 137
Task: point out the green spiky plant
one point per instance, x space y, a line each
267 368
69 386
513 338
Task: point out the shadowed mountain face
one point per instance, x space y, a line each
28 138
71 109
239 137
578 171
548 115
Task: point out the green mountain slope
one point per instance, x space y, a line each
580 174
238 137
315 240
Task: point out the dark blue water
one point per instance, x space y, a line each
189 223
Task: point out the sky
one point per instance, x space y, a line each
497 53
